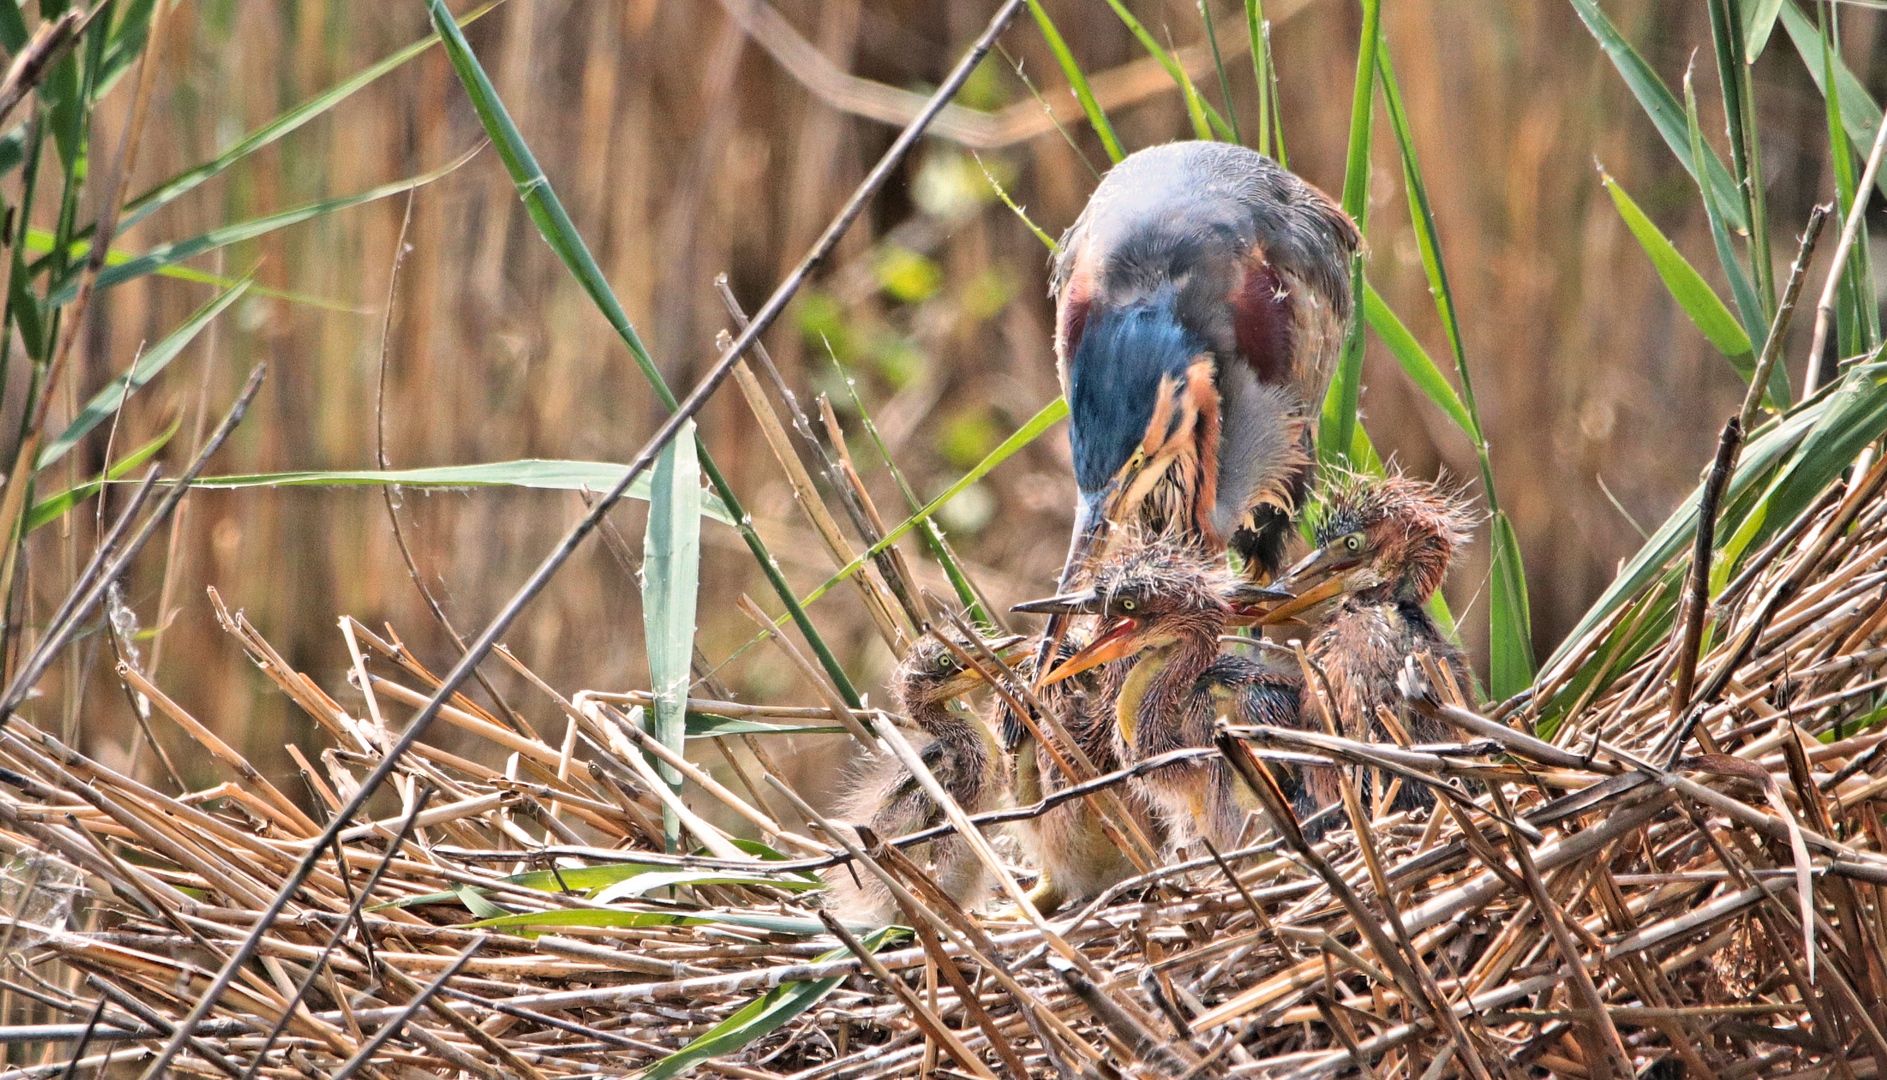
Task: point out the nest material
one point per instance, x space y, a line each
1629 894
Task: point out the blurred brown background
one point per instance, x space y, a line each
685 148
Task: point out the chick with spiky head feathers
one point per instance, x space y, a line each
1385 544
958 749
1162 609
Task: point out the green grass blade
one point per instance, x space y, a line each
1661 106
1856 415
1077 81
39 242
1428 242
1686 285
1755 316
124 45
107 401
13 33
671 582
1414 359
629 917
1759 23
536 473
1510 645
1205 119
761 1016
1218 63
1739 107
996 186
1337 434
638 886
1851 413
54 507
1048 416
1260 36
1841 156
1860 116
933 536
554 225
161 195
166 255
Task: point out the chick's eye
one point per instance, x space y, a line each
1128 604
1353 542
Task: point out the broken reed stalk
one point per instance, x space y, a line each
1697 596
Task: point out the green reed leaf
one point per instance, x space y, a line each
1754 318
1206 120
1337 433
763 1015
1661 106
166 255
1077 81
1414 359
1686 285
553 223
166 192
52 508
155 359
537 473
671 582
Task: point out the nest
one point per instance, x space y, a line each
1683 874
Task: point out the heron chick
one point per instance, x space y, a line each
957 747
1163 608
1385 545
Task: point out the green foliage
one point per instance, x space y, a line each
529 473
1337 436
1077 81
112 396
671 579
764 1014
554 225
1661 106
1687 286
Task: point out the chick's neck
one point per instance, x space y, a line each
1163 677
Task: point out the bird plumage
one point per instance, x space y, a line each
1406 533
957 748
1075 855
1201 299
1162 610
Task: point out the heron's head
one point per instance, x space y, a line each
932 673
1149 594
1389 533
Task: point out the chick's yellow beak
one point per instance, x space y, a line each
1329 563
1115 642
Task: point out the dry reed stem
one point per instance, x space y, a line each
1452 939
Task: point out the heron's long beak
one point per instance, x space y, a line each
1249 601
1085 602
1115 642
1329 563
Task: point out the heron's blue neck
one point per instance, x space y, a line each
1114 381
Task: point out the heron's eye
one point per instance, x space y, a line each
1353 542
1129 604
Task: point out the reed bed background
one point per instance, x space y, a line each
685 148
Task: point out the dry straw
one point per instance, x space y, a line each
1724 907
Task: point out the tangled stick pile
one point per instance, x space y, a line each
1627 893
